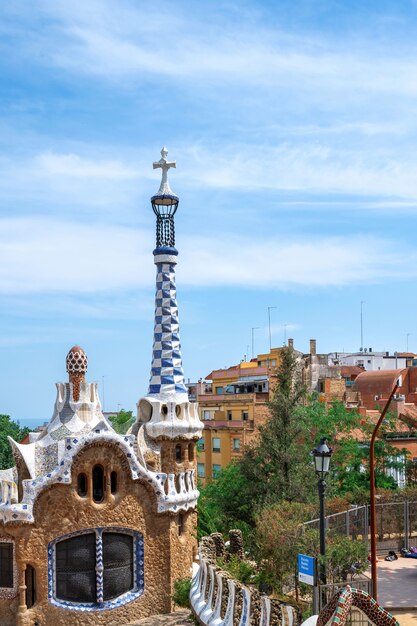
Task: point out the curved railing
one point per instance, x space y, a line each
218 600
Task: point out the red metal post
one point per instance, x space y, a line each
372 484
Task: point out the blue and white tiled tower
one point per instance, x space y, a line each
166 411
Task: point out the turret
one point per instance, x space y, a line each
166 412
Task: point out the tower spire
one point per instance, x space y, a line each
167 375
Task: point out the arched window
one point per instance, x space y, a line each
82 485
92 570
178 453
113 482
30 582
191 452
98 483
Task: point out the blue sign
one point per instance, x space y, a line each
306 569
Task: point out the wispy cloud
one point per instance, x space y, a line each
38 256
124 40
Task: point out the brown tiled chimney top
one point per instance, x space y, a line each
313 346
77 363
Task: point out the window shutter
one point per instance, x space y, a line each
118 564
76 569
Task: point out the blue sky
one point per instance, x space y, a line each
294 128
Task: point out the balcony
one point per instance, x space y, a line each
230 424
234 397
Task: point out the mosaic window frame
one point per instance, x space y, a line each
10 592
100 604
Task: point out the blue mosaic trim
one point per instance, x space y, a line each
165 250
138 572
167 374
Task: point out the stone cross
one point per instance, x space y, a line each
165 166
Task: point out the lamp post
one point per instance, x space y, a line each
322 456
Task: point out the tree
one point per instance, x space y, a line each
122 421
278 467
9 428
225 502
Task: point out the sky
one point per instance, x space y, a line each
294 126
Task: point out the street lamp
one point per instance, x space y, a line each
322 456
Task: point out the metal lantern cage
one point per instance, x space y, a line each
322 455
165 207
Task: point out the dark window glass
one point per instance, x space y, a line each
98 483
113 482
180 524
30 582
76 569
6 565
82 485
118 564
178 454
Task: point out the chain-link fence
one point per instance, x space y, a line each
396 525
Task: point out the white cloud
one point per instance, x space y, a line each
74 166
47 256
124 40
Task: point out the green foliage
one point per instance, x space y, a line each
341 554
122 421
280 537
181 595
9 428
239 569
226 501
278 466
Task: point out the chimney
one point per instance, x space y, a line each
291 343
313 346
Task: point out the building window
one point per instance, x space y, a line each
30 582
245 415
216 470
219 390
6 565
98 483
206 416
178 453
201 470
236 444
216 444
82 485
89 570
200 445
180 524
229 415
113 482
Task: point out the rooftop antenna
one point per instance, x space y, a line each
362 303
269 325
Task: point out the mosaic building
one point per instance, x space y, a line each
96 526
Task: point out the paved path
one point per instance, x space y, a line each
406 618
397 584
